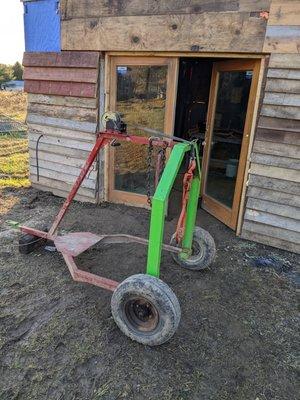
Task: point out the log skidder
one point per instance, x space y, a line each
143 306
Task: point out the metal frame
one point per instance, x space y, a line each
73 244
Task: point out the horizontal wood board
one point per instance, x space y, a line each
272 213
103 8
68 59
235 31
63 108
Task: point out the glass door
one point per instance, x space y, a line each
231 103
143 90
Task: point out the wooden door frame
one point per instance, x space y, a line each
118 196
229 216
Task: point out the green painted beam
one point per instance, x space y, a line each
159 205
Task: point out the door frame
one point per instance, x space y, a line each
118 196
261 60
229 216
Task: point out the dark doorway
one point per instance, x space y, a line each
191 111
192 98
214 105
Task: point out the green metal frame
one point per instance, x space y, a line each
159 206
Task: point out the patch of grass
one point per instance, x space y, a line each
14 105
14 156
14 168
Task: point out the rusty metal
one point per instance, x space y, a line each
75 243
86 277
93 154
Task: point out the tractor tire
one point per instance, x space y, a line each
204 251
146 309
29 243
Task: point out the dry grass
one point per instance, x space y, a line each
14 161
13 104
13 147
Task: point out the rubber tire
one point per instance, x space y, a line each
206 242
160 295
29 243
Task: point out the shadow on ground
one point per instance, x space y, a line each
236 340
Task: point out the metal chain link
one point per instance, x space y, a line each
163 158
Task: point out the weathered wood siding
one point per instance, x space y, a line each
63 107
273 199
159 25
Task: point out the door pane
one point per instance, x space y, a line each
141 98
227 135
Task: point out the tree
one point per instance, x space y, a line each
6 73
18 71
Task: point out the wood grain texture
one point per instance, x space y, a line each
275 172
89 127
254 5
62 133
284 73
267 218
290 61
279 124
74 89
280 111
69 59
60 141
50 187
283 85
63 159
285 12
61 74
268 240
71 113
277 136
272 231
63 168
285 99
273 208
64 101
282 39
63 107
279 185
101 8
277 149
61 176
275 161
58 149
272 195
54 184
215 31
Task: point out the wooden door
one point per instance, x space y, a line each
230 114
143 89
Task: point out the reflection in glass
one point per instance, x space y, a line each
227 135
141 98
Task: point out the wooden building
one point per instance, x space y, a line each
224 72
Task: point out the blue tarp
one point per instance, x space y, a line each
42 26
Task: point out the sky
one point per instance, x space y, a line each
11 31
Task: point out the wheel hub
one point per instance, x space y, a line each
141 314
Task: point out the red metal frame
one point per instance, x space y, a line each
73 244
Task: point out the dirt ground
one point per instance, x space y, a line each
237 339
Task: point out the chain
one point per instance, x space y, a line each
149 167
163 158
